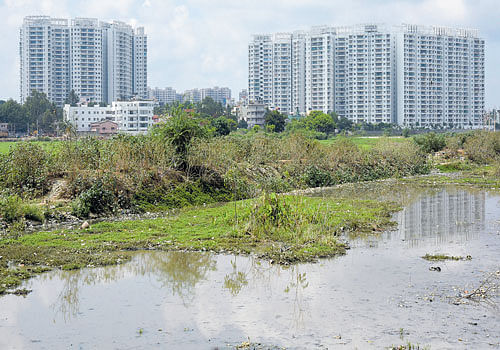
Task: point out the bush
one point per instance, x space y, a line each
25 170
270 212
12 209
97 200
315 177
483 147
430 142
179 131
33 213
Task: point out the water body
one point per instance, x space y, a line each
381 293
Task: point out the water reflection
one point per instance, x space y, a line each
362 299
178 272
249 272
235 280
447 214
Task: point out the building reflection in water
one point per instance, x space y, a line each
443 216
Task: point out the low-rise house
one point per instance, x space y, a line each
253 114
4 129
104 128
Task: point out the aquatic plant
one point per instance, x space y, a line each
441 257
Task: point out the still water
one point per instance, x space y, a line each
381 293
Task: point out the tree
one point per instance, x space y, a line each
48 120
223 126
344 124
68 129
209 108
72 98
242 124
277 119
12 112
321 122
35 106
40 111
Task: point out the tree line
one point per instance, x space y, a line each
36 113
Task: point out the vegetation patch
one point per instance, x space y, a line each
442 257
453 166
409 346
13 209
284 229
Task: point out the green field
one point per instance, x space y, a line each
366 142
5 146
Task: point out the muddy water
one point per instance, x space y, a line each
381 293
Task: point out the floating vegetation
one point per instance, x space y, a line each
443 257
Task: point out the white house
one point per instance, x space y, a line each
132 117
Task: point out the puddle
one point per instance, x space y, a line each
381 293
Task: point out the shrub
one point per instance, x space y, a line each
178 195
33 213
483 147
97 200
12 209
430 142
316 177
25 170
270 212
179 131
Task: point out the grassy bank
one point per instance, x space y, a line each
6 146
284 229
487 176
161 171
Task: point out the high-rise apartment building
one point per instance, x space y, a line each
45 57
218 94
169 95
140 63
86 65
410 75
101 62
260 70
440 77
243 96
193 95
164 96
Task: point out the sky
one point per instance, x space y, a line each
204 43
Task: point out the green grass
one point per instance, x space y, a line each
465 178
5 146
366 143
443 257
453 166
311 229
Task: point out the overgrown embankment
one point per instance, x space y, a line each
181 165
284 229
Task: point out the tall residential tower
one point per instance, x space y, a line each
409 75
101 62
